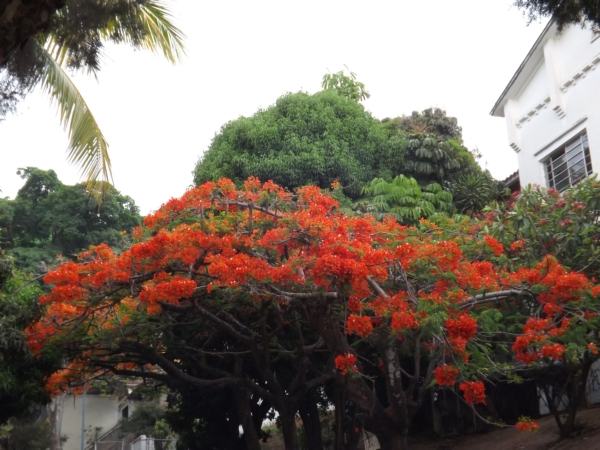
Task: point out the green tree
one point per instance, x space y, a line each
22 377
430 160
303 139
564 12
474 191
345 85
429 121
434 146
405 201
48 218
70 35
147 419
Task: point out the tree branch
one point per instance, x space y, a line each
490 297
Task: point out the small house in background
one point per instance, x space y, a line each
552 108
96 413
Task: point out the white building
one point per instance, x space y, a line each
552 108
552 111
102 412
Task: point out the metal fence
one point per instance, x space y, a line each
144 443
140 443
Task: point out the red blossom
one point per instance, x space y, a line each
445 375
360 325
474 391
493 243
526 424
553 351
402 321
464 327
346 363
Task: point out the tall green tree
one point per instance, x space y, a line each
434 146
345 85
48 218
42 39
22 377
303 139
429 121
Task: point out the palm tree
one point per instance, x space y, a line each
74 39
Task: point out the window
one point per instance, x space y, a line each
125 412
570 164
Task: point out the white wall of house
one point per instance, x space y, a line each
100 411
554 97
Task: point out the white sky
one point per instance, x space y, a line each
243 54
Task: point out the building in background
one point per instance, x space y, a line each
552 108
95 414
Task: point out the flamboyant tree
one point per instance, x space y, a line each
540 222
240 289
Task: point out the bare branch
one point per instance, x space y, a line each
376 287
491 297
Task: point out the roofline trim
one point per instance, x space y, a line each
521 67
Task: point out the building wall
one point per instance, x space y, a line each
535 91
560 100
100 411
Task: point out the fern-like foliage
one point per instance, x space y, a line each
405 200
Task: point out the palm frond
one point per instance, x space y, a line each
88 148
161 34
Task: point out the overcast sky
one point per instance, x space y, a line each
243 54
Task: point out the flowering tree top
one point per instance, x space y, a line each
444 293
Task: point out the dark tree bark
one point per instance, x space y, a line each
376 418
242 399
309 413
22 19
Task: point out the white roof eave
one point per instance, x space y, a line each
534 56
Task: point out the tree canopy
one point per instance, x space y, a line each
22 377
564 12
303 139
47 218
273 298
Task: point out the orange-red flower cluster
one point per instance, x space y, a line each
526 424
553 351
360 325
474 391
493 243
402 321
346 363
265 244
445 375
465 327
517 245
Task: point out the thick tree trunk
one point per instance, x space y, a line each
339 404
289 430
576 398
309 413
22 19
242 398
375 418
55 412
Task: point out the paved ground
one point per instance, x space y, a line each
512 439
